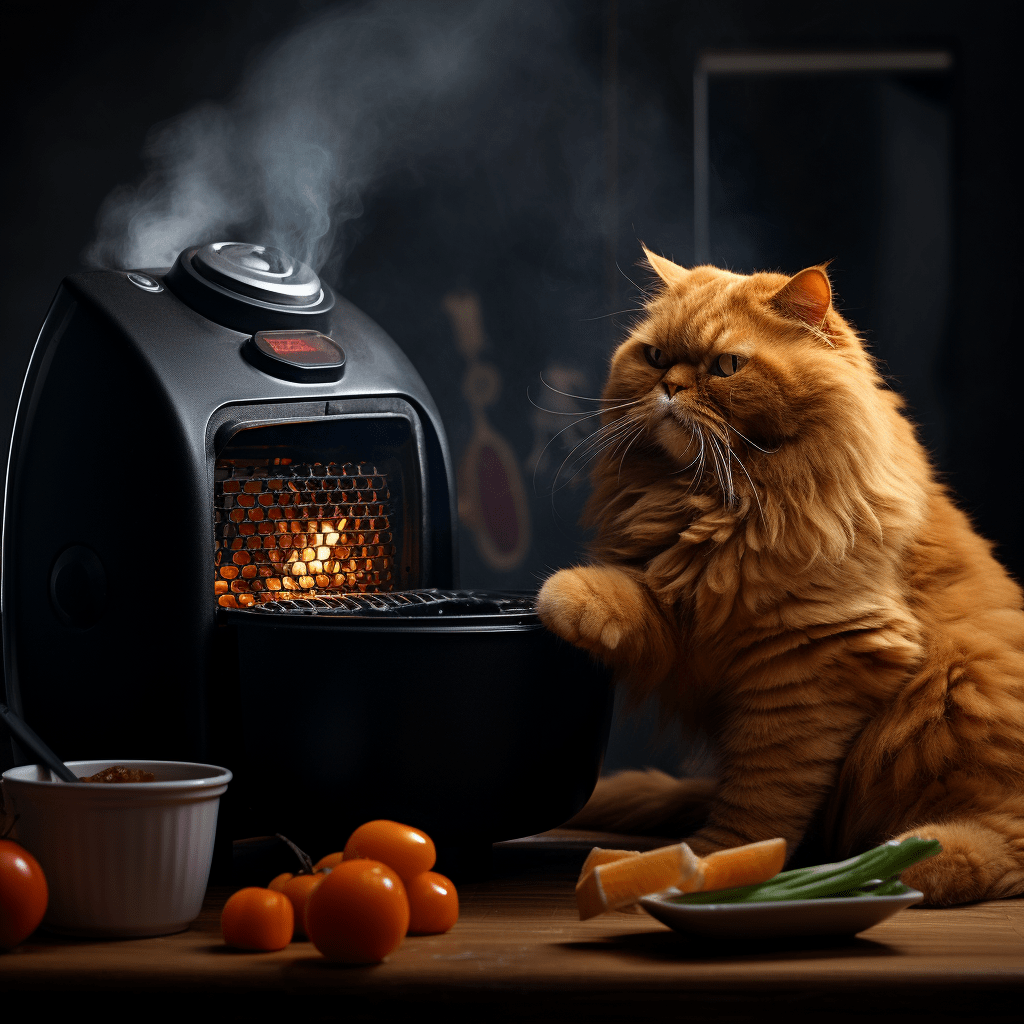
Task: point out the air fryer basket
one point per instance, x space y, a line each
454 711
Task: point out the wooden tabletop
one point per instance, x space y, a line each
519 952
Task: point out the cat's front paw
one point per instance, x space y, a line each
597 608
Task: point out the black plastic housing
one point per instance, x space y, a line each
128 396
480 726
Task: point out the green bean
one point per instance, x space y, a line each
875 871
890 887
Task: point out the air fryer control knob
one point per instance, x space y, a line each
259 271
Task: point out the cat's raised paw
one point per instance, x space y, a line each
572 605
602 610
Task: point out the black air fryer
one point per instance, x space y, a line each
228 537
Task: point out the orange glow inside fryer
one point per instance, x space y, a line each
304 530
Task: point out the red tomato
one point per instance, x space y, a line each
433 904
330 861
359 913
23 894
256 918
298 889
408 850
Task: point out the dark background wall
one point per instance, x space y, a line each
535 195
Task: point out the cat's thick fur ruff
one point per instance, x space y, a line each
776 560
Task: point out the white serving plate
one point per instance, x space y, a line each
829 916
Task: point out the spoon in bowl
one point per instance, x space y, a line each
24 735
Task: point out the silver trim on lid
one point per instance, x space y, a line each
259 271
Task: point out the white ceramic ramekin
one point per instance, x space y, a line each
120 859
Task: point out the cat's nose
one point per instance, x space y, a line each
671 388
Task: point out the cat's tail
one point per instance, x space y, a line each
646 803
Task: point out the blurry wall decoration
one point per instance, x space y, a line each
492 499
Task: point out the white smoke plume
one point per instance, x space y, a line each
325 115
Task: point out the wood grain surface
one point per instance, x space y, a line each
519 952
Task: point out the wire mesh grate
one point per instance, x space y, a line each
286 531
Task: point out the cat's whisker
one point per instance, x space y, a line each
593 443
724 470
622 438
753 489
606 434
733 497
753 444
699 459
692 461
641 429
700 464
713 464
582 398
582 417
604 316
596 452
610 430
720 471
726 451
647 292
614 435
577 412
704 461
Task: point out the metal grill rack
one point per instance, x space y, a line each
406 604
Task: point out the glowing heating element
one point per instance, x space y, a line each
285 530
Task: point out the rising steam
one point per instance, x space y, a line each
325 116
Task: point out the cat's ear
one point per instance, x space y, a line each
806 296
671 273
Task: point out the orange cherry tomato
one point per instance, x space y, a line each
23 894
277 882
359 913
298 889
330 861
433 904
408 850
256 918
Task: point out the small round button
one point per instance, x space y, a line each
145 282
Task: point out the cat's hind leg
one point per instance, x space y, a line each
982 859
647 803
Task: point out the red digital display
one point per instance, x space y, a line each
284 346
303 356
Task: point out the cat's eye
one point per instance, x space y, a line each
727 365
657 357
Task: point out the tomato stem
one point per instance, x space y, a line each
304 859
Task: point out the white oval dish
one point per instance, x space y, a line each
120 859
836 916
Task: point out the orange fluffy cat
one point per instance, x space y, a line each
776 560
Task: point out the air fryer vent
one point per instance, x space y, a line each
405 604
